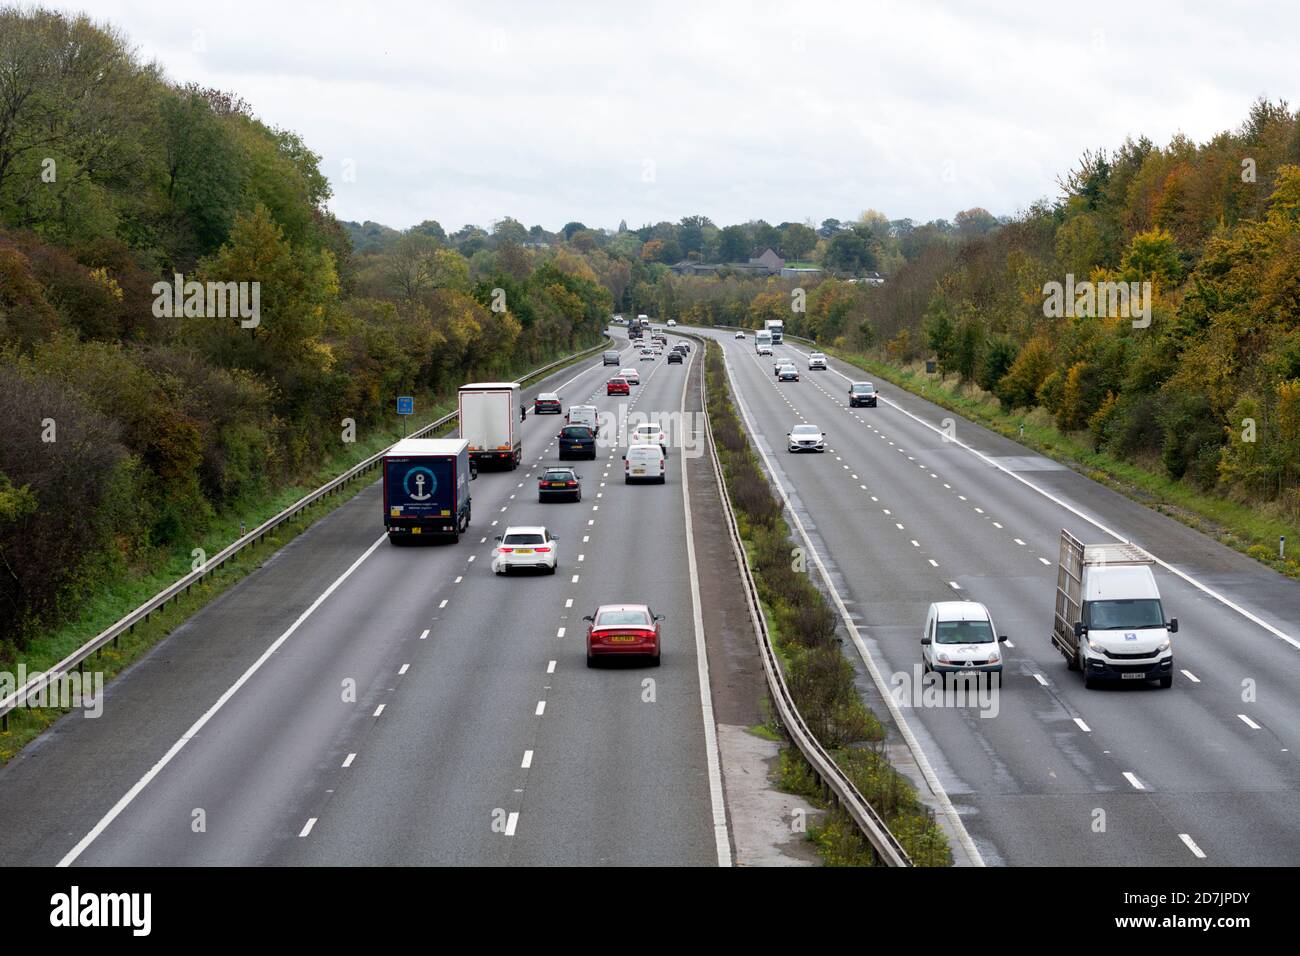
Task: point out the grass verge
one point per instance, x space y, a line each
821 680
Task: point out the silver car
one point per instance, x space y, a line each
807 438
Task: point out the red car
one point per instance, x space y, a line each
617 386
623 629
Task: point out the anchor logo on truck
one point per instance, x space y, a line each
420 477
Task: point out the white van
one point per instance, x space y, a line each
645 463
959 638
583 415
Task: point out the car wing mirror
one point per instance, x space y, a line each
659 617
1002 639
1173 625
589 618
1079 629
498 537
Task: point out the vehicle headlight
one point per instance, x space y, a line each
943 657
1094 646
994 659
1164 647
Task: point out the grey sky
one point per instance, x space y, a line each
549 112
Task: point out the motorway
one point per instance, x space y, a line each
1202 773
355 703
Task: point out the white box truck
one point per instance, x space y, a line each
763 342
777 328
1109 621
490 419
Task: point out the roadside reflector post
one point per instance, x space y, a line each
1281 546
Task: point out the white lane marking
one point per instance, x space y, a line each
980 510
550 667
568 602
442 604
1044 561
1018 541
1191 677
885 691
1082 726
528 760
1248 722
403 669
459 578
721 836
586 538
424 634
512 822
915 543
954 585
997 524
211 712
307 829
933 563
1041 679
560 632
541 708
347 761
473 556
1137 784
575 579
582 557
1191 845
380 709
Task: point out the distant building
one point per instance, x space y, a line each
767 264
770 261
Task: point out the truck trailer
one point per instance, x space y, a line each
426 488
1109 621
777 328
490 419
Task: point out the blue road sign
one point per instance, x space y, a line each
405 405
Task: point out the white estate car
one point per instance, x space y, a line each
959 638
632 375
649 433
522 546
816 361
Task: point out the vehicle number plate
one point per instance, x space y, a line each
1136 675
523 550
415 531
557 484
623 639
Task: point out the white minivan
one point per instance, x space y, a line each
959 638
583 415
645 463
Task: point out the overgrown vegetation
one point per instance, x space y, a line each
132 430
803 628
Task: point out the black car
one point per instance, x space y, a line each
610 358
559 483
674 358
862 394
577 441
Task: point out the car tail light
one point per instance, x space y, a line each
542 550
505 550
571 484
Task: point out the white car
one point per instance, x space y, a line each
647 355
959 638
645 463
632 375
649 434
672 323
807 438
523 546
765 350
740 335
816 361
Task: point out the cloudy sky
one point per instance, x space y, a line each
551 112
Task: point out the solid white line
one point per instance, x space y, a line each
307 829
1191 845
211 712
886 693
512 821
1137 784
528 760
1082 726
347 761
1248 722
721 836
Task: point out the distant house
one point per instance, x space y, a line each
767 264
769 261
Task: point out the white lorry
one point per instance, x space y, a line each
1109 621
490 420
777 328
763 342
